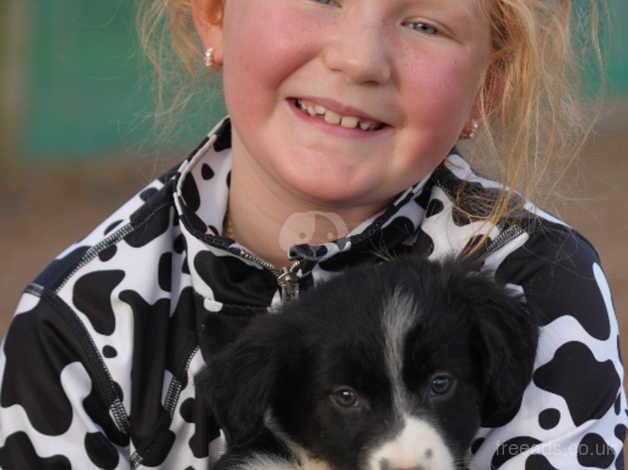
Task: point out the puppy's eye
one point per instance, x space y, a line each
346 397
441 383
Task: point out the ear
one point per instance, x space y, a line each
208 21
239 383
505 336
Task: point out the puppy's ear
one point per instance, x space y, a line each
239 383
504 335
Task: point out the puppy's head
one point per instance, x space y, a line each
389 366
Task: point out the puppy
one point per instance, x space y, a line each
389 366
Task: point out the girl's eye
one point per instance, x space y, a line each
325 2
423 28
346 397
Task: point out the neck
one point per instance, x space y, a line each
268 218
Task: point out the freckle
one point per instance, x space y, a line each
428 453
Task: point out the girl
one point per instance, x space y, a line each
339 149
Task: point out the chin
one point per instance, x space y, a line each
334 189
388 366
371 193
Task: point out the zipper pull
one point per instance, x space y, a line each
288 282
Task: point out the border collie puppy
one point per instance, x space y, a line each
388 366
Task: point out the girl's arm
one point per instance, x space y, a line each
573 414
58 405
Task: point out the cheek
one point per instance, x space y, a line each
264 44
344 439
460 415
440 90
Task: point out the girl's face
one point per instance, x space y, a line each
415 65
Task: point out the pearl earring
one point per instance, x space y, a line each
472 134
209 57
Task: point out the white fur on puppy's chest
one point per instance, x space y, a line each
417 445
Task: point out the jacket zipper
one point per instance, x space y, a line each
287 277
505 237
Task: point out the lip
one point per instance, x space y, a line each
339 108
332 128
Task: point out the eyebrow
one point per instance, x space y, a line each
471 8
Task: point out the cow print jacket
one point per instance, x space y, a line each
97 368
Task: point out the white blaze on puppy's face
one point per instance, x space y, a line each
400 315
418 444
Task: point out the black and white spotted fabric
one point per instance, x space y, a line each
97 367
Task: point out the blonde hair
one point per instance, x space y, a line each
532 120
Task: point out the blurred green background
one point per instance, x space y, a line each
79 86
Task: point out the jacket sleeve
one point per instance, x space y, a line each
55 401
573 413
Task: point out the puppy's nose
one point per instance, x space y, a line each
385 464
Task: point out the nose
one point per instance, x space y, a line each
385 464
359 51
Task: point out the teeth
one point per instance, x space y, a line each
332 118
349 122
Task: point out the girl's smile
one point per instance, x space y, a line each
352 123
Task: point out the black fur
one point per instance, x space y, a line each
332 335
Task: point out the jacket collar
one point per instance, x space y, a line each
201 194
